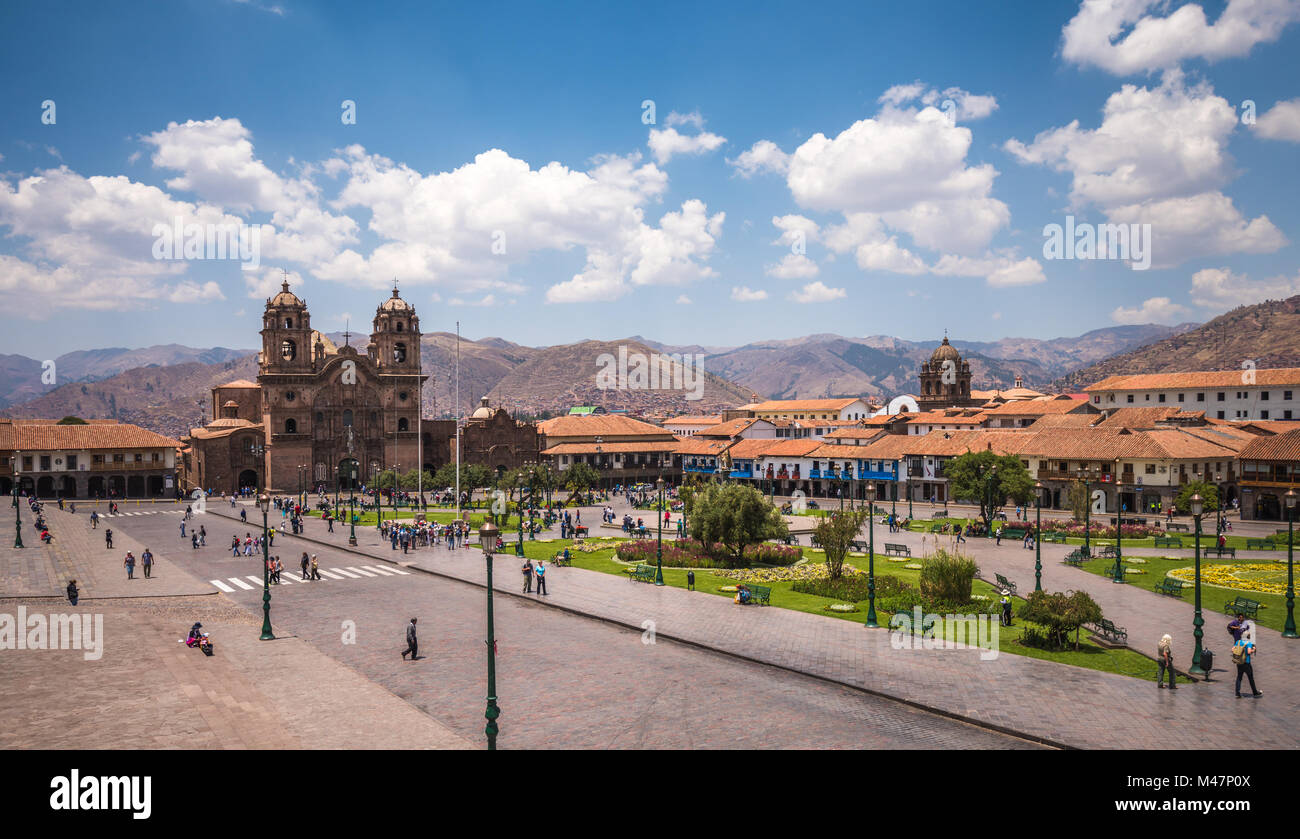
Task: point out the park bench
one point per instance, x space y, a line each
1130 520
1109 630
1005 583
790 539
580 531
1054 537
1109 551
1168 542
859 545
1244 605
936 528
759 594
940 514
1259 544
892 549
1222 552
1182 528
643 574
1171 586
1075 558
1012 533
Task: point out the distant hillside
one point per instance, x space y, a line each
1266 333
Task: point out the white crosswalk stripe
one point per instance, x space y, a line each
378 570
331 575
346 573
336 574
361 572
241 583
222 586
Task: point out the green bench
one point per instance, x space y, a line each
1054 537
1109 551
1171 586
1005 583
1244 605
892 549
1168 542
1075 558
1110 631
761 595
1182 528
936 528
1260 544
1222 552
1012 533
643 574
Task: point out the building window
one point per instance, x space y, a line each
1130 397
288 350
347 418
1200 397
1263 395
139 458
320 418
72 461
1286 415
1151 468
45 463
289 396
291 426
1096 400
1263 414
402 396
399 326
1161 398
288 323
119 458
1180 397
399 352
403 424
1219 398
96 458
374 417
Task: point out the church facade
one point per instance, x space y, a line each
945 380
319 414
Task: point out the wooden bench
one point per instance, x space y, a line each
1012 533
1260 544
580 531
1222 552
1005 583
1109 551
1182 528
1168 542
758 594
1075 558
1171 586
1244 605
892 549
1110 631
643 574
1054 537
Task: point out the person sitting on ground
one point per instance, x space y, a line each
196 635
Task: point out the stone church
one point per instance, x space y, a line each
318 413
945 380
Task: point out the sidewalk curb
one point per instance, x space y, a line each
1033 738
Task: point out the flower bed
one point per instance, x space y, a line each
688 553
1254 577
1098 531
794 573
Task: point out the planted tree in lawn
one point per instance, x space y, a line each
734 516
1209 494
1060 613
970 475
836 534
1079 499
579 478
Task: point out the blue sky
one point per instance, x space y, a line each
852 168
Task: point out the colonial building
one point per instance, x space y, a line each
1270 468
318 414
494 439
94 459
1248 394
621 449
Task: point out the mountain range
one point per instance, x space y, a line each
166 388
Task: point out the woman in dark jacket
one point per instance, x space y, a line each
73 594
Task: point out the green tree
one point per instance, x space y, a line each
734 516
989 479
72 421
1078 499
1209 494
836 534
1060 613
947 577
579 478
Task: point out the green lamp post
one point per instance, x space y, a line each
519 545
487 539
1198 508
264 501
352 515
659 549
871 556
1038 536
1289 631
18 519
1118 576
1085 476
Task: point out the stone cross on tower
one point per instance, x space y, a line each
347 334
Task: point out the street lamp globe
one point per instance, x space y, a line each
1290 498
1198 505
659 483
264 501
487 536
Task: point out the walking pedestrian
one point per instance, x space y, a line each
182 528
279 569
1243 655
203 536
315 568
412 644
1165 661
129 563
194 541
146 560
108 538
540 571
73 594
305 562
528 576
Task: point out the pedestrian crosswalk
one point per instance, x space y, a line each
120 513
230 585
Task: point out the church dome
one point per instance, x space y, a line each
395 304
945 352
482 411
285 297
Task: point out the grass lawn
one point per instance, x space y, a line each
440 516
1122 661
1272 611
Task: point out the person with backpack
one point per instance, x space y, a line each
528 576
306 561
1165 661
129 564
73 594
1243 654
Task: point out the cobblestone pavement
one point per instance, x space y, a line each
148 691
567 681
1043 700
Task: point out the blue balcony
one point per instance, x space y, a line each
707 470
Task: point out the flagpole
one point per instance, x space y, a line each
458 419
